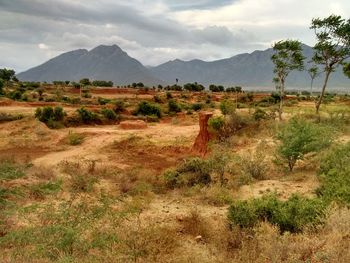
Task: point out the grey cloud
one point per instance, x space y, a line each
197 4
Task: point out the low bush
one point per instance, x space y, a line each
197 106
334 175
40 190
119 106
5 117
253 165
109 114
75 138
157 99
292 215
191 172
173 106
10 171
225 127
260 114
87 116
216 123
147 109
227 107
52 117
299 137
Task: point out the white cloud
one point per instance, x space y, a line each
43 46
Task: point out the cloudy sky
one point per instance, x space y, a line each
154 31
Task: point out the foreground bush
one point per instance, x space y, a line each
335 175
227 126
292 215
87 116
227 107
173 106
52 117
109 114
299 137
148 109
191 172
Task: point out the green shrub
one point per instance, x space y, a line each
119 106
5 117
83 182
335 175
15 95
157 99
197 106
1 87
253 165
52 117
227 107
103 101
260 114
173 106
216 123
40 190
75 138
292 215
168 95
299 137
109 114
191 172
10 171
58 113
147 109
86 116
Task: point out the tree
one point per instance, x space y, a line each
1 86
346 69
332 47
313 73
299 137
85 82
7 74
287 57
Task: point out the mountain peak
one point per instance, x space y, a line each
105 50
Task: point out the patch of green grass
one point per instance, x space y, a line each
292 215
75 138
10 171
334 175
40 190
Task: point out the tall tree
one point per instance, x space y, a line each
288 56
346 69
313 73
7 74
332 47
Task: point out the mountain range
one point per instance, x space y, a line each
253 70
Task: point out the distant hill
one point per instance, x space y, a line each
253 70
100 63
248 70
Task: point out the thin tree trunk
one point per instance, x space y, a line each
280 110
318 104
236 100
312 82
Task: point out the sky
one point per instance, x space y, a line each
154 31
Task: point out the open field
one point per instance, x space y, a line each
93 190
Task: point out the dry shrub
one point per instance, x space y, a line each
195 225
84 174
42 172
329 244
253 164
216 195
151 243
138 181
